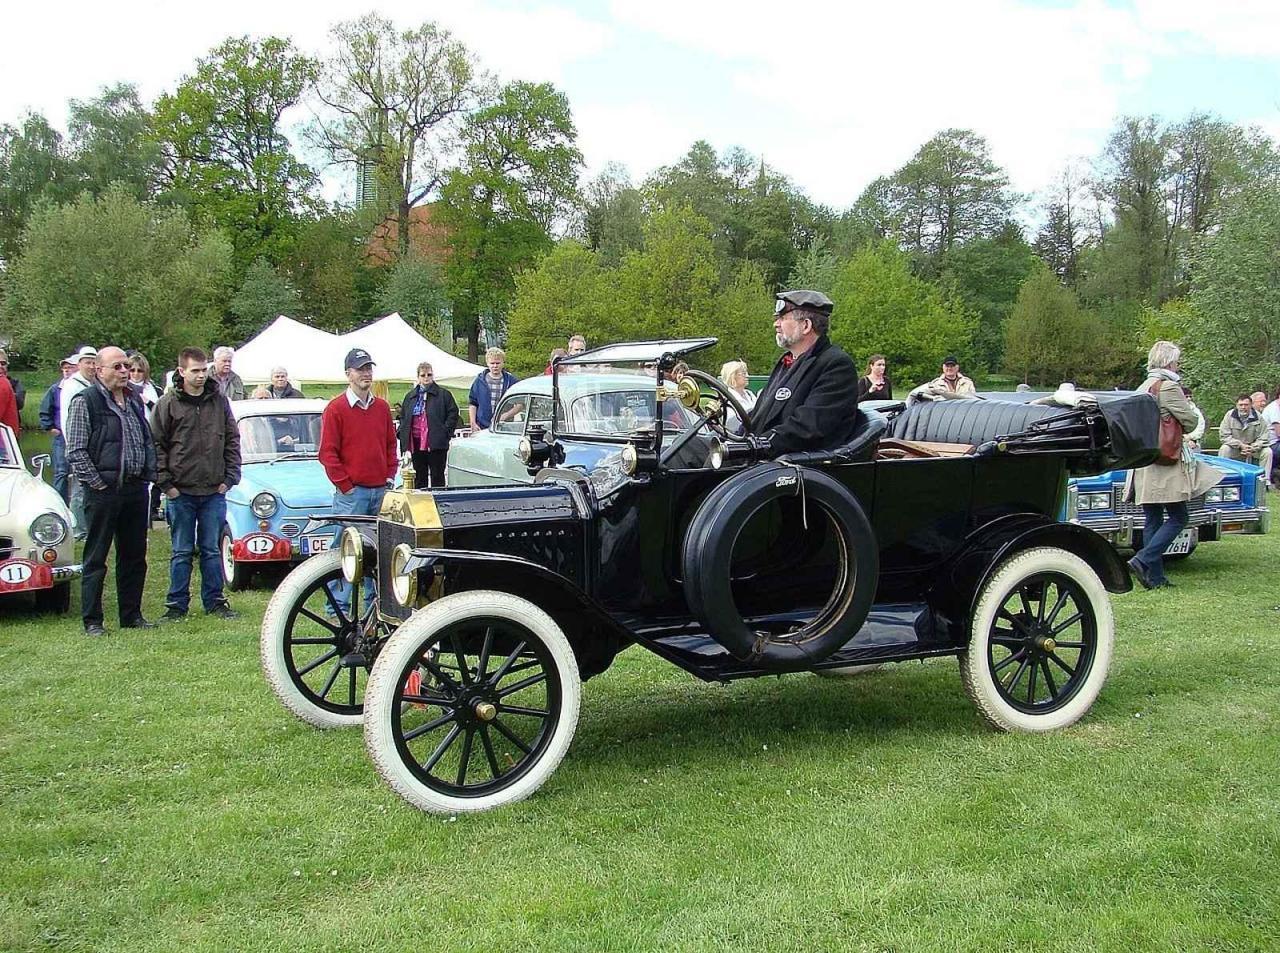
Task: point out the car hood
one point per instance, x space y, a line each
1237 467
18 488
299 484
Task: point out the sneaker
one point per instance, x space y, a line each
172 614
94 628
223 610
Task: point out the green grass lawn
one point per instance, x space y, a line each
156 797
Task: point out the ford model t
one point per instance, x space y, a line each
460 624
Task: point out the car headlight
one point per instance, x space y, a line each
1094 501
524 449
630 459
404 585
264 505
1213 495
48 529
352 554
1231 494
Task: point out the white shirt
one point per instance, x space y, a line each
355 401
70 387
1271 413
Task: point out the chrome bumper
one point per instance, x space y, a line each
1120 529
63 573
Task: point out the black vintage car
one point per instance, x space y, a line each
930 533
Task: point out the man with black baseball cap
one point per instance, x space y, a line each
358 449
950 383
811 399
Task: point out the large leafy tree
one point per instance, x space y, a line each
613 218
950 192
111 142
882 307
1233 334
518 176
224 152
987 273
263 296
414 287
394 102
114 269
33 165
326 264
567 293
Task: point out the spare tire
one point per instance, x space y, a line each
708 559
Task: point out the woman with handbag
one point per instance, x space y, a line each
1163 488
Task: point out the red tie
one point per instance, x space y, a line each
788 359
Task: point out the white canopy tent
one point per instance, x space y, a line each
398 349
310 354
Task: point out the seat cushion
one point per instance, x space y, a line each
966 421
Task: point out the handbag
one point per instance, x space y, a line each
1170 434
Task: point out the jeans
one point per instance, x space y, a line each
61 470
362 501
195 522
119 516
1157 534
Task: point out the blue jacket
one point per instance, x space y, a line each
50 409
479 396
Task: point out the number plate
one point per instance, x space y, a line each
16 573
1182 543
320 543
259 545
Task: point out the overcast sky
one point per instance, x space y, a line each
829 94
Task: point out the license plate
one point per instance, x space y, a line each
319 543
1181 544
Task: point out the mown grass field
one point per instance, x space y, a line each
156 797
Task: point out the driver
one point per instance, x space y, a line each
811 399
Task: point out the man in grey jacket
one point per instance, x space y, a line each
197 461
1245 437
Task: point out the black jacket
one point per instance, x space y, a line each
106 444
289 391
50 406
811 405
197 442
442 416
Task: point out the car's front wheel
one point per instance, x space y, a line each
472 703
318 643
235 574
1041 642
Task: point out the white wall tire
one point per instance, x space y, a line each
235 576
431 741
299 612
1029 666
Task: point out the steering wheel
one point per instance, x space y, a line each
712 417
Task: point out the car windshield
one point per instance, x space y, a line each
267 437
597 405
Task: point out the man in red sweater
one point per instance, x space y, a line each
358 451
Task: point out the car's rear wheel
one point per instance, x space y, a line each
1041 642
316 654
236 575
472 703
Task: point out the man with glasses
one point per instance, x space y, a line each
110 451
811 399
428 418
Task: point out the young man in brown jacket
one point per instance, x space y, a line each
197 461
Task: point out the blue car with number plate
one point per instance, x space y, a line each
282 484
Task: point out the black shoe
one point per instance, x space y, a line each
1165 585
173 615
138 623
223 610
1141 574
94 628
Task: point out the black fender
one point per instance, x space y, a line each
708 551
968 572
595 636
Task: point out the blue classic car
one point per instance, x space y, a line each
282 483
595 404
1236 505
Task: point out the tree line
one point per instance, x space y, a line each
196 218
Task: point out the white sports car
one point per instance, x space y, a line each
36 550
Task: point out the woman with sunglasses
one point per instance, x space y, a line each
428 418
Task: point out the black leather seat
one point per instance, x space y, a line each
868 428
966 421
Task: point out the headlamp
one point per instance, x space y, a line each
352 550
404 585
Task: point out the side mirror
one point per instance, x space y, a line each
40 461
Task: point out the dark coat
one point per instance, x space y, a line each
197 442
289 391
442 416
811 405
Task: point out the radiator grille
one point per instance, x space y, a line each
1195 507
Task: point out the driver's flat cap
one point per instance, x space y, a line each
799 298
